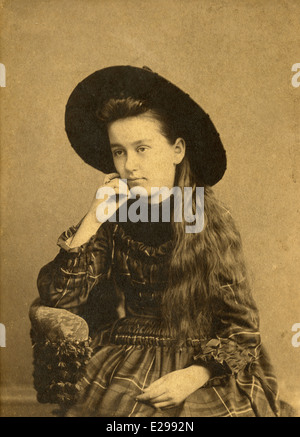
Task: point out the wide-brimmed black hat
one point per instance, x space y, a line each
88 135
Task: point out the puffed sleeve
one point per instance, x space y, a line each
237 340
66 281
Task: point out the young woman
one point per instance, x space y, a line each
175 330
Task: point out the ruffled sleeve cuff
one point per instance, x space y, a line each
223 357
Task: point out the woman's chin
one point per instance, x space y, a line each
140 189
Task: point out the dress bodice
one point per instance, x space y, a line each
140 269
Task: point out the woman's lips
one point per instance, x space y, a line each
135 181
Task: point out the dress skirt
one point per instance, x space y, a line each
135 352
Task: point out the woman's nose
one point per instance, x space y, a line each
131 163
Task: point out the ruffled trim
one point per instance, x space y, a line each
228 353
138 248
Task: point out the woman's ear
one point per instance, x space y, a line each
179 150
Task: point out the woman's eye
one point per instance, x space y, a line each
117 153
142 149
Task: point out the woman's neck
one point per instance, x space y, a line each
152 228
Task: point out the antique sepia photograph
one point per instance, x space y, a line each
150 165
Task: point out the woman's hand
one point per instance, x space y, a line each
112 181
172 389
90 224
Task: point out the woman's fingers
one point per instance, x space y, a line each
156 385
152 396
164 405
160 402
120 187
155 390
109 177
120 191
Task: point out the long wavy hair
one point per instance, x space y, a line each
206 267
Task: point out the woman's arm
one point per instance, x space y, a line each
66 281
86 230
237 340
82 262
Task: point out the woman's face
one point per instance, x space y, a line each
142 154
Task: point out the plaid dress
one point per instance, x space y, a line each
114 281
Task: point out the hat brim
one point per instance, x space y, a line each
88 135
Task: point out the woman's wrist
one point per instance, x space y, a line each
199 374
89 227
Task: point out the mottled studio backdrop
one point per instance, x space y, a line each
234 57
